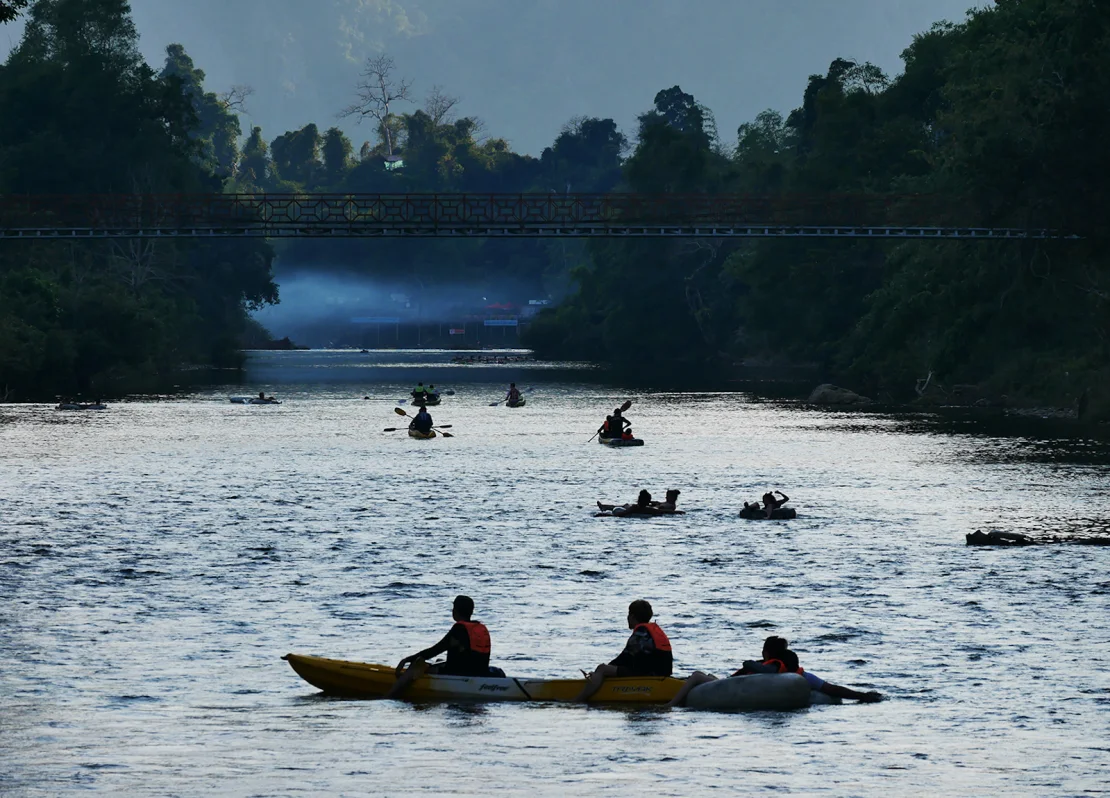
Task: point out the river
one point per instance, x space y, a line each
160 556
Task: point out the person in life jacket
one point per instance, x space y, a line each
647 652
627 435
613 426
422 422
777 658
419 393
431 393
467 645
513 396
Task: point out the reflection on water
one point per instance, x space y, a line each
159 557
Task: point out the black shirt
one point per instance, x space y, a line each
461 660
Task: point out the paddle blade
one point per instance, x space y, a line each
626 405
390 429
494 404
401 401
447 435
400 411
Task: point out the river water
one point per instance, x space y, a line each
159 557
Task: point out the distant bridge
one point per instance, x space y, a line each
851 216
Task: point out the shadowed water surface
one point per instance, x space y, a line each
159 557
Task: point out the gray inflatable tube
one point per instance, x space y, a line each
760 691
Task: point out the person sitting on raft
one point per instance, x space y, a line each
627 435
643 504
419 393
466 644
614 425
513 396
770 504
422 421
647 652
432 393
669 505
777 658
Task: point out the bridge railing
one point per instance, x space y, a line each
352 214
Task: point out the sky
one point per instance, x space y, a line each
525 67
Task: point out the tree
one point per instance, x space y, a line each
337 150
255 164
10 9
440 106
296 155
378 91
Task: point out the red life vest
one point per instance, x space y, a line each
479 636
657 636
778 663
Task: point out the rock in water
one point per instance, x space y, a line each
834 395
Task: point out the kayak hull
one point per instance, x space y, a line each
758 692
366 680
520 403
415 433
620 441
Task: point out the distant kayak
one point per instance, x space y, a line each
781 514
251 400
620 441
415 433
75 406
365 680
519 403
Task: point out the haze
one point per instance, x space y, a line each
525 68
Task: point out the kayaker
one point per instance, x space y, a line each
433 394
647 652
627 435
614 425
419 393
422 421
777 658
513 396
466 644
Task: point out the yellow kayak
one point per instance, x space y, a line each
365 680
415 433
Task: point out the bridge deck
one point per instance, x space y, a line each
39 217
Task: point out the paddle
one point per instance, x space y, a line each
394 429
399 411
624 407
526 390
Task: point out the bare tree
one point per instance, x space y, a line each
377 91
235 98
440 105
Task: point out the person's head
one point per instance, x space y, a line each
430 386
463 608
768 498
790 660
628 431
617 413
261 394
639 611
774 646
672 494
644 498
512 384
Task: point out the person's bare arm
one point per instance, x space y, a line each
836 690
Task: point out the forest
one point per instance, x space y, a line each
1002 112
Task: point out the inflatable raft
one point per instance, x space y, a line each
651 513
781 514
415 433
620 441
75 406
365 680
760 691
427 401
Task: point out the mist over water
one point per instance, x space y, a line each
326 308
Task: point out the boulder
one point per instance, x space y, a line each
833 395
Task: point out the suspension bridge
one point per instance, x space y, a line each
146 216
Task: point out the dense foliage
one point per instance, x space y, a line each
1004 114
83 113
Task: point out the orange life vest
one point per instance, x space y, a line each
479 636
657 636
778 663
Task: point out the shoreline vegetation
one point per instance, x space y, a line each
992 112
